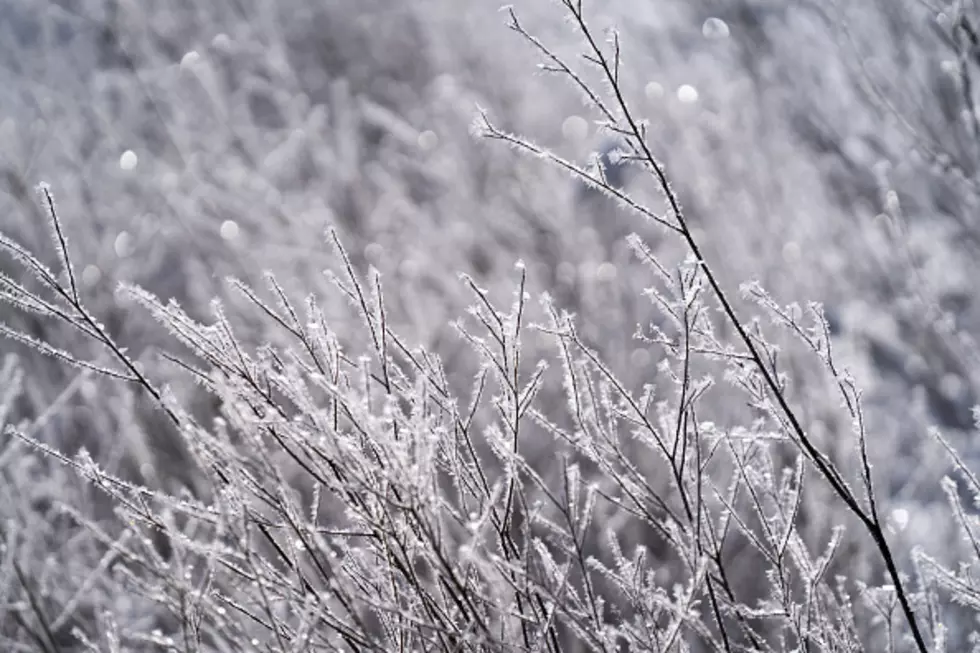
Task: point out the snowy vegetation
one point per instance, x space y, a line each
341 326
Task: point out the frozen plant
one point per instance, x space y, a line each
348 496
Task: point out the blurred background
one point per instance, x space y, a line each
827 149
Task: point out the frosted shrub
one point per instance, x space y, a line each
346 494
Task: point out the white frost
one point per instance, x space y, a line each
128 160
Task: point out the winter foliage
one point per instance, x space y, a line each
337 326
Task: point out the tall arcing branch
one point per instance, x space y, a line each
632 130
